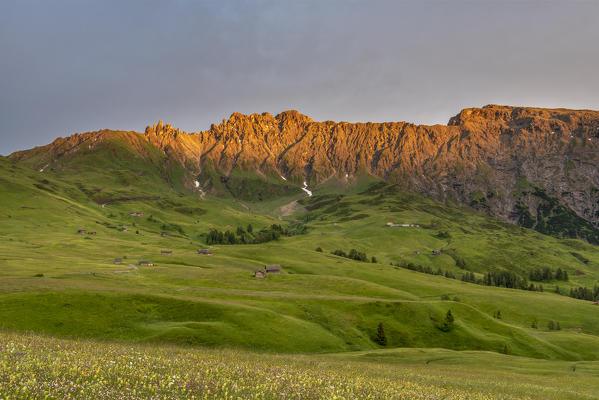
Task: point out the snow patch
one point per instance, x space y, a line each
305 189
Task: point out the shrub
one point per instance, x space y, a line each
357 255
339 253
443 235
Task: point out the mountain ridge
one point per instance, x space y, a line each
525 165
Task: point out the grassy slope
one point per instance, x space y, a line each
321 303
42 367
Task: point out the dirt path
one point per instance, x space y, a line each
129 199
135 268
289 209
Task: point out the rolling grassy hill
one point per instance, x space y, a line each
57 282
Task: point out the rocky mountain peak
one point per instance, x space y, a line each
520 164
162 129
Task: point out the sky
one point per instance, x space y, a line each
77 66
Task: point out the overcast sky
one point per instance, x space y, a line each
76 66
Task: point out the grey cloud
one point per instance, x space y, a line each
74 66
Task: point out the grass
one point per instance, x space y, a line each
40 367
323 308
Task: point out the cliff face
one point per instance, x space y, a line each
526 165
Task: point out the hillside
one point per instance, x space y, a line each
61 283
529 166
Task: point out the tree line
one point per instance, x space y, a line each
425 269
507 279
584 293
249 236
353 254
501 278
547 274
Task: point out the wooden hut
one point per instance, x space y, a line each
259 274
146 263
272 269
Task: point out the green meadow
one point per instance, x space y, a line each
322 309
35 366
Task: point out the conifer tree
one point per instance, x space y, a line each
381 338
